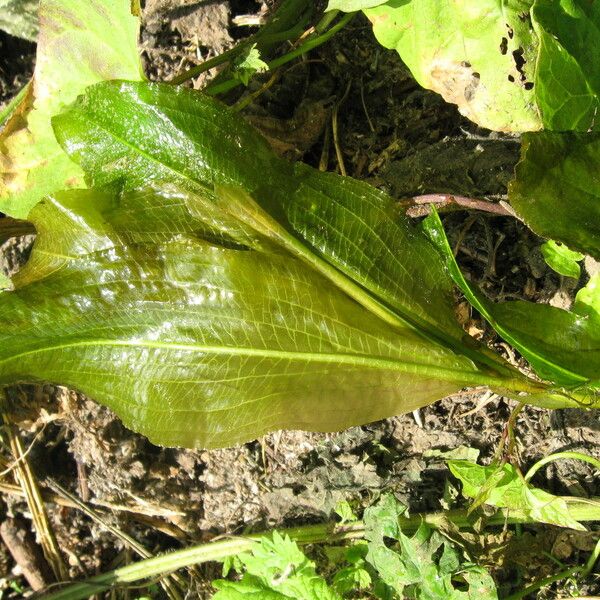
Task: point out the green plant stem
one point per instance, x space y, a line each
226 57
534 587
558 456
326 20
263 38
309 534
310 44
8 110
211 63
591 561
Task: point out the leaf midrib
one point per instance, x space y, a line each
465 377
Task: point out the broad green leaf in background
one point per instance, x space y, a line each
562 346
5 282
276 570
561 259
567 80
556 190
20 18
478 54
80 43
516 65
200 345
587 301
511 491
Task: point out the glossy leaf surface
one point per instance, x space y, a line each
567 80
80 43
199 145
562 346
557 191
199 345
213 292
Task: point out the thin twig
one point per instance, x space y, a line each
139 512
22 457
470 221
247 100
324 161
16 535
364 105
334 127
419 206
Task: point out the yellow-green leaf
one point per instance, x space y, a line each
80 43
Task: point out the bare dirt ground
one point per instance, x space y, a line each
399 138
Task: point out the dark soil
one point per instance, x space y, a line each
17 58
399 138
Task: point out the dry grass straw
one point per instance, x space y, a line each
170 583
28 487
25 477
147 518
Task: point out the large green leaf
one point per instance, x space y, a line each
511 65
199 145
210 292
567 79
199 345
557 191
478 54
562 346
80 43
204 315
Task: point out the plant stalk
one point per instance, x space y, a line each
561 455
308 534
287 23
310 44
10 108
